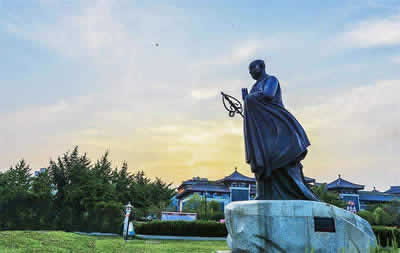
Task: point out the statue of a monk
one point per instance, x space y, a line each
275 142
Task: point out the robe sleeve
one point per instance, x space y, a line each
270 87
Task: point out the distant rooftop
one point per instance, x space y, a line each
37 172
375 196
393 190
340 183
234 177
221 188
375 190
309 180
194 180
237 177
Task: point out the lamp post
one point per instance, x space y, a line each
128 209
205 195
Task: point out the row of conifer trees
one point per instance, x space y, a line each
76 194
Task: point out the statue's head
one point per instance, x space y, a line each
257 69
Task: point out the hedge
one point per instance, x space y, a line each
367 215
386 236
182 228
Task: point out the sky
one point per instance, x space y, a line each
142 80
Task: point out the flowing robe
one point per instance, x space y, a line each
273 137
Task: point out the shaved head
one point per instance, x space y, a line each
257 69
257 62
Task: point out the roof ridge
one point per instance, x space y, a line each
340 182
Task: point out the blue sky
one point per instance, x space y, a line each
89 73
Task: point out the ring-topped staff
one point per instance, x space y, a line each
232 105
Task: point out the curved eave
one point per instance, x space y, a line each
189 191
376 196
393 190
345 187
309 180
236 180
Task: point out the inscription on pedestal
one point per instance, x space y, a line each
324 224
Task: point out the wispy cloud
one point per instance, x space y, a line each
204 93
347 133
178 150
396 59
129 94
159 107
249 49
351 129
374 33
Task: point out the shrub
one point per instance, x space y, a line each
393 208
368 216
182 228
387 214
216 216
387 236
194 204
206 211
327 196
381 217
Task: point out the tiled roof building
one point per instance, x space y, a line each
237 186
237 177
342 186
233 187
394 190
353 193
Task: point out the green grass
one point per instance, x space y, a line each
57 241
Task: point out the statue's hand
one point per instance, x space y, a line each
245 93
256 94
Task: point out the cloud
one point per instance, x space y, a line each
91 31
159 108
356 134
101 36
178 150
396 59
127 95
374 33
204 93
247 50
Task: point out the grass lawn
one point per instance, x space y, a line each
57 241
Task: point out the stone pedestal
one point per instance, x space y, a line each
295 226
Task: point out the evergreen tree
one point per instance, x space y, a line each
327 196
42 186
16 196
20 176
42 202
123 182
71 177
75 195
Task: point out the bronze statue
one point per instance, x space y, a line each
275 142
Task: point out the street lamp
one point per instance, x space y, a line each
205 205
128 209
